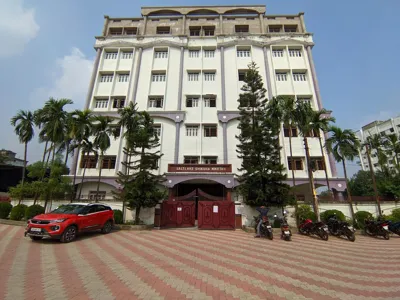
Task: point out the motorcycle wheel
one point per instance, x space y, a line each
271 235
368 232
351 237
386 236
324 236
288 238
303 232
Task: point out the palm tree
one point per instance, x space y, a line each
320 123
102 132
24 124
392 145
344 145
86 147
376 142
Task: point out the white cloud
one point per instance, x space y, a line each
71 75
17 27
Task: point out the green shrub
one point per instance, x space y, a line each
18 212
33 210
304 212
277 223
5 209
331 212
360 217
396 215
118 218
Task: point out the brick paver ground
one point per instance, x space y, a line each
191 264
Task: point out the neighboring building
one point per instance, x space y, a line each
390 126
8 158
185 66
10 170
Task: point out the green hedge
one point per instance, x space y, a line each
33 210
5 209
305 212
396 215
118 218
18 212
360 217
331 212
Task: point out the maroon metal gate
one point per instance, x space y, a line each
216 215
178 214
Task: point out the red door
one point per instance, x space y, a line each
216 215
178 214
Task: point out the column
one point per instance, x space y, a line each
145 25
179 107
106 20
183 29
267 73
221 25
261 16
225 141
223 96
177 138
303 24
137 73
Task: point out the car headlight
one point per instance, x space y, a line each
58 221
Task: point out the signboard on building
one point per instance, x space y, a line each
186 168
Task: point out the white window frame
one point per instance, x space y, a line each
111 55
194 53
305 98
207 101
127 55
118 100
299 76
124 77
101 103
157 129
158 77
195 101
106 77
243 52
209 76
209 53
153 102
161 54
277 52
281 76
193 76
192 130
206 159
295 52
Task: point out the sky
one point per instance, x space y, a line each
47 51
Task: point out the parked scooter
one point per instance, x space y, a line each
308 227
394 227
377 228
341 228
265 229
286 233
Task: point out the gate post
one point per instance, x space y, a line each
229 194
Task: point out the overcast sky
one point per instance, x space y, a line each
47 51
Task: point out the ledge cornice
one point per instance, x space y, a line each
175 116
225 116
138 42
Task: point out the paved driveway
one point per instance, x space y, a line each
191 264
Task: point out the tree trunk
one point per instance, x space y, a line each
311 178
325 168
371 169
44 152
83 177
137 214
24 168
98 182
293 176
73 196
66 155
47 163
348 190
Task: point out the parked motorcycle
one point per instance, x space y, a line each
308 227
377 228
265 229
341 228
394 227
286 233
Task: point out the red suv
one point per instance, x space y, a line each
66 221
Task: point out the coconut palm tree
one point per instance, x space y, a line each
87 147
320 122
392 145
377 142
24 124
344 145
102 132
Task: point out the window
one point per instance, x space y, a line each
281 76
108 162
124 77
106 77
210 130
209 31
126 55
391 130
313 133
241 28
158 77
193 76
295 163
277 52
192 130
130 30
305 99
115 31
299 76
194 53
194 31
192 102
286 131
191 160
209 76
210 160
294 52
242 75
274 28
101 103
157 130
243 52
290 28
209 53
116 131
111 55
317 163
163 30
161 54
88 161
118 102
210 102
93 195
156 102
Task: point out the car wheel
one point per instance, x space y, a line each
107 227
69 234
36 238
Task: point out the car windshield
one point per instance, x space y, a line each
69 209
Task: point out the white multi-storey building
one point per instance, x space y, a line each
185 66
390 126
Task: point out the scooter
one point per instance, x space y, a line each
377 228
308 227
341 228
286 233
265 229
